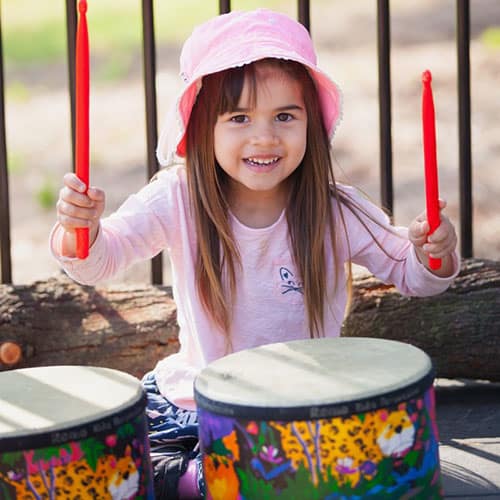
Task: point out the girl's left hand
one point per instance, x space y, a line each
440 244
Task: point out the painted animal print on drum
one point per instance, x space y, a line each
113 478
346 448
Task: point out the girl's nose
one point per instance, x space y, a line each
264 134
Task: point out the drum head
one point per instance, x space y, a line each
49 401
316 378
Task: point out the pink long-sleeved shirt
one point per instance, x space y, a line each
268 306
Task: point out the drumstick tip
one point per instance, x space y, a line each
426 76
82 6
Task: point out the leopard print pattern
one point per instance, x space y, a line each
346 448
116 479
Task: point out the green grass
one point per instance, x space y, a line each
17 91
491 37
15 163
34 31
47 195
27 44
114 68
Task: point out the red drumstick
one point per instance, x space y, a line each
431 175
82 118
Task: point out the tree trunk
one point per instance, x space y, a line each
130 328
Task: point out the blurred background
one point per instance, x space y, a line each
344 32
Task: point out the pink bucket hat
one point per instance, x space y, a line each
233 40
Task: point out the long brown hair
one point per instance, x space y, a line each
309 210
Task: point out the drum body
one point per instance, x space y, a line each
69 432
320 419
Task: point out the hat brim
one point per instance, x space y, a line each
329 95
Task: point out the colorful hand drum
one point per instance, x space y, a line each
320 419
73 432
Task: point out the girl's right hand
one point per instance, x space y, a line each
77 209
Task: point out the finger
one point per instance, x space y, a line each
419 227
442 203
418 232
421 217
443 241
73 211
439 235
72 181
69 195
71 223
424 228
447 240
441 249
96 194
444 230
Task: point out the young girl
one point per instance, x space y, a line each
257 230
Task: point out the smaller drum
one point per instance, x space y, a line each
325 419
69 432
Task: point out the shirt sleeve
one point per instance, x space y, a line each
386 251
138 230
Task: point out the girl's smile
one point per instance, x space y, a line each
265 164
261 142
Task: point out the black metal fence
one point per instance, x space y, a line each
303 15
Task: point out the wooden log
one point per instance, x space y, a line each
459 329
59 322
130 328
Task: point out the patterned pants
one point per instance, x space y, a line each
173 437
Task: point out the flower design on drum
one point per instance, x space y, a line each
345 466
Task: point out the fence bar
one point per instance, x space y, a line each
149 60
384 89
71 21
224 6
149 63
304 12
6 264
464 127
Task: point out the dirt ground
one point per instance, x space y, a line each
423 37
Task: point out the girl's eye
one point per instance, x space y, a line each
284 117
239 118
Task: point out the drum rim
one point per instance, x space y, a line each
109 422
324 410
